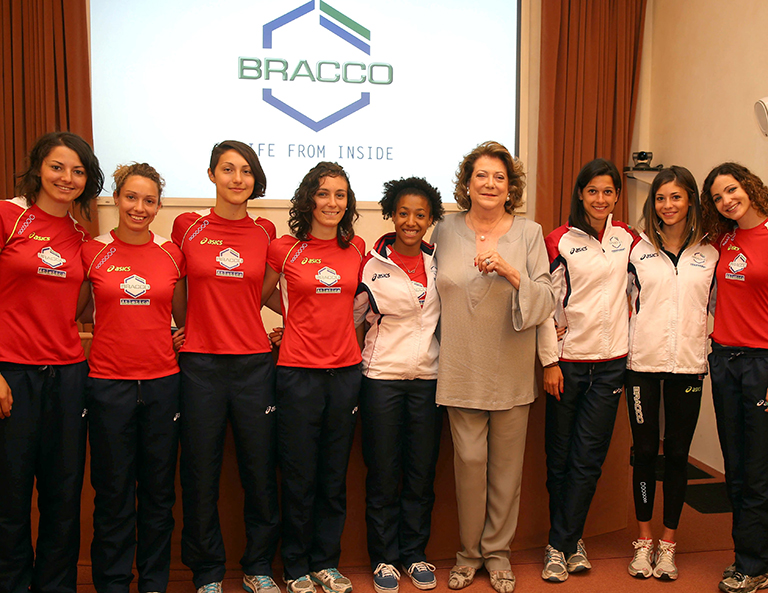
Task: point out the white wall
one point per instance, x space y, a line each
705 65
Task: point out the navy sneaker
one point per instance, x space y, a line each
386 579
422 575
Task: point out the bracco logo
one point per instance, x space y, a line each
134 286
230 259
51 258
323 71
52 261
328 277
738 264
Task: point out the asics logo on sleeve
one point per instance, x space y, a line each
578 249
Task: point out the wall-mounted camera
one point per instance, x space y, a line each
642 159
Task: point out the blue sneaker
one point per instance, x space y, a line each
386 579
422 575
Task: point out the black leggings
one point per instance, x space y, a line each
682 400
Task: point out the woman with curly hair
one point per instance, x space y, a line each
318 373
133 387
735 208
494 285
397 299
43 413
227 373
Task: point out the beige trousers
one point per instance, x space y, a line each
488 463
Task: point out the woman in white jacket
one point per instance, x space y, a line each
398 300
671 268
588 258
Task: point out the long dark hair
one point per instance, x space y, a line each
652 223
29 183
303 204
578 216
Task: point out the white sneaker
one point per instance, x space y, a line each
210 588
665 568
555 567
641 566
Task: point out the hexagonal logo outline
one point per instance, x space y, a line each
328 22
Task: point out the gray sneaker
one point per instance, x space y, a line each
301 585
210 588
332 580
578 561
555 567
260 584
742 583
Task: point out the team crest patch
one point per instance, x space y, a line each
52 261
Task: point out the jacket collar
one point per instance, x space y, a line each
388 240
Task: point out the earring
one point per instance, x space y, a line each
508 198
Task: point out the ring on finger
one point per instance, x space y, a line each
487 261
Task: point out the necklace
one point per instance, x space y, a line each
402 262
483 237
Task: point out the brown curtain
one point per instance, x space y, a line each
590 66
45 79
